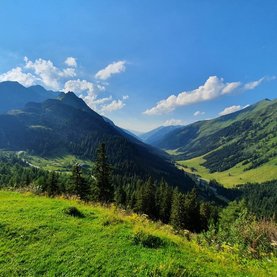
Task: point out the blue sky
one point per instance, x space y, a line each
145 63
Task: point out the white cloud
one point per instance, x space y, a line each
230 87
102 100
197 113
213 87
45 73
79 86
71 62
113 106
254 84
108 71
48 73
173 122
232 109
16 74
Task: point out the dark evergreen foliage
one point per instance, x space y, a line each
103 186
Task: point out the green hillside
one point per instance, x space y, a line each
66 129
39 238
234 149
233 176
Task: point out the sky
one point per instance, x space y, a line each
144 63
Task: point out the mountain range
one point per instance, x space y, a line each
243 142
66 125
153 136
14 96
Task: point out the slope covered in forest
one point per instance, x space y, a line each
67 126
241 144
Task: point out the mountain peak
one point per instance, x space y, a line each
11 85
71 99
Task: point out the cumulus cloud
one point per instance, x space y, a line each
109 70
16 74
79 86
198 113
46 73
213 87
254 84
113 106
232 109
173 122
71 62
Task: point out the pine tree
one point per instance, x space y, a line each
81 186
52 184
177 214
192 213
120 196
145 198
163 201
102 174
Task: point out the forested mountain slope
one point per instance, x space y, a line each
248 136
68 126
242 143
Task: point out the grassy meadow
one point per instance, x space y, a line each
233 176
38 237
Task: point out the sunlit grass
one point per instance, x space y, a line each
234 175
39 239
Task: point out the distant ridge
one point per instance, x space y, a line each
14 96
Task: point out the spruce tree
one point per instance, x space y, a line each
102 173
145 198
192 213
163 201
52 184
177 214
120 196
80 185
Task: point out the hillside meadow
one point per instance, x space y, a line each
43 236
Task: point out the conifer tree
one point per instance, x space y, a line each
163 201
145 198
52 184
120 196
177 214
102 173
192 215
81 186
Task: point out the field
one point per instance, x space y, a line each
233 176
38 238
62 163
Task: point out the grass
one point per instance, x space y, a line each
63 163
234 175
38 238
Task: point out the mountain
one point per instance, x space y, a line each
153 136
245 140
14 96
133 132
67 125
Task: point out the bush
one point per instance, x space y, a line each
73 211
147 240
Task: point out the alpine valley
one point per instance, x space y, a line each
175 201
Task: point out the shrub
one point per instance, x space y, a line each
147 240
73 211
